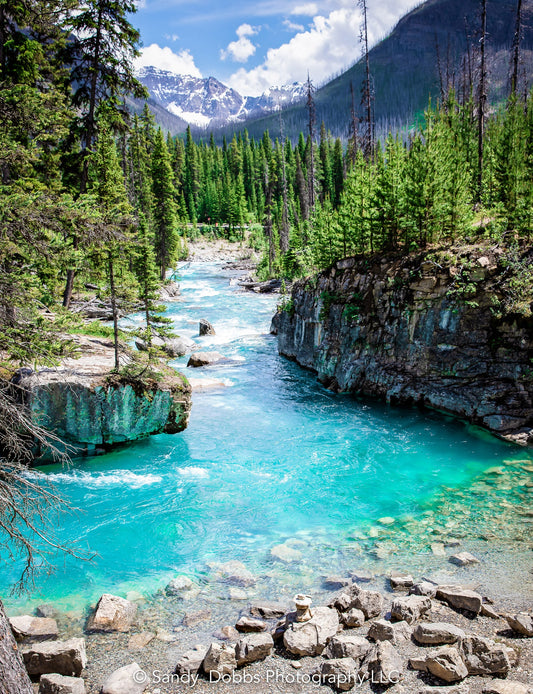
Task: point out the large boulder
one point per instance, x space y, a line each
252 648
27 628
61 657
311 637
267 609
191 661
339 673
205 327
410 608
178 346
485 657
370 603
347 645
446 664
181 586
437 633
395 632
460 598
382 665
204 359
220 659
522 623
112 613
130 679
59 684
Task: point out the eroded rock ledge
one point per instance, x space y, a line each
450 330
89 408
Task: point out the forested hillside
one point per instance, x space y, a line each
434 45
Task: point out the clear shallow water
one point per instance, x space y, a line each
271 457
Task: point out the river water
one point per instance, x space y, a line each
272 458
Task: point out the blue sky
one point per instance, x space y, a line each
253 45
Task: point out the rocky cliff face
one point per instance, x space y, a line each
90 409
449 330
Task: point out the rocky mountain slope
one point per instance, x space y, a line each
449 330
208 102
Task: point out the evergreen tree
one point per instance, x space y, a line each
164 207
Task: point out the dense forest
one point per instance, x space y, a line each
93 196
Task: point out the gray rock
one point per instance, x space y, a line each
285 554
191 619
396 632
220 659
130 679
410 608
437 633
463 559
139 641
460 598
247 625
447 664
205 327
227 633
352 618
336 582
235 573
191 661
522 623
347 645
310 638
198 359
425 588
485 657
61 657
340 674
361 576
48 611
178 346
27 628
383 665
399 580
346 600
488 611
457 689
370 603
59 684
253 647
180 585
268 610
505 687
112 614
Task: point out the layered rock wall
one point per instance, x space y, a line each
437 329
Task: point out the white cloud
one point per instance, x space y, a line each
171 37
330 44
243 49
291 26
181 63
308 9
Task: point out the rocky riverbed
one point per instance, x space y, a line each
403 633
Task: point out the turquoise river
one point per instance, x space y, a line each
272 458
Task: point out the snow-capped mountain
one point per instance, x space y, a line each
208 102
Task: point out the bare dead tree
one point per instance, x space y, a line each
368 92
515 59
482 98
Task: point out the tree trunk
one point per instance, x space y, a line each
91 116
113 308
13 676
516 48
482 98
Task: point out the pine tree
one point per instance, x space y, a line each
164 207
